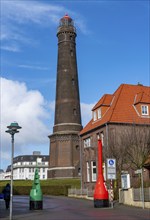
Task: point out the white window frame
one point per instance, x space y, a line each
87 142
102 137
93 171
144 110
94 116
99 113
87 172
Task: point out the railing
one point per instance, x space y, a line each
134 197
82 193
137 194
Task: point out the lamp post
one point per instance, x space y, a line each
12 130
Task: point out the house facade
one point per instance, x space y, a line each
122 121
24 167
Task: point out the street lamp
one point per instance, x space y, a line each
12 129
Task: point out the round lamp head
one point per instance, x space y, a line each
14 126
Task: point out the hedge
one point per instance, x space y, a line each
46 190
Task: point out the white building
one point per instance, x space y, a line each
24 167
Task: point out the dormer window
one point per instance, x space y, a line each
144 109
94 116
99 114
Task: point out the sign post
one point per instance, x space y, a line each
140 171
111 175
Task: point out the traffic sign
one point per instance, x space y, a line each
111 163
138 171
111 169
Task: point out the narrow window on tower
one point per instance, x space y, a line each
74 111
79 171
77 147
71 53
73 82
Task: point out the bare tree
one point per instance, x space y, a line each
136 141
130 146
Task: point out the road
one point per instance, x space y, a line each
64 208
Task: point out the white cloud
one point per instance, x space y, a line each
16 15
86 112
30 11
12 48
33 67
30 110
33 114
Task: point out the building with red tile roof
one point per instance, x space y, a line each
113 119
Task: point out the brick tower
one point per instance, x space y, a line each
64 142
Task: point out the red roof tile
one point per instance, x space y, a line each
142 98
104 101
121 107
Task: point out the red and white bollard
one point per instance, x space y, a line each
111 193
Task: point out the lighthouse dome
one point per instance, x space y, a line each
66 20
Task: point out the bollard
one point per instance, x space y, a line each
100 192
36 196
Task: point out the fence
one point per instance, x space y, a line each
137 194
81 193
85 193
131 196
135 197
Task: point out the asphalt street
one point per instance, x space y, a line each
64 208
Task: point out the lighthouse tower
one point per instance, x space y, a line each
64 142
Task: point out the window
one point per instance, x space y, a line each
99 113
88 171
79 171
102 137
94 116
144 109
93 169
87 142
71 53
74 111
73 82
77 147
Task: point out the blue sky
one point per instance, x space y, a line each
112 48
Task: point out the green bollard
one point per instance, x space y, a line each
36 196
